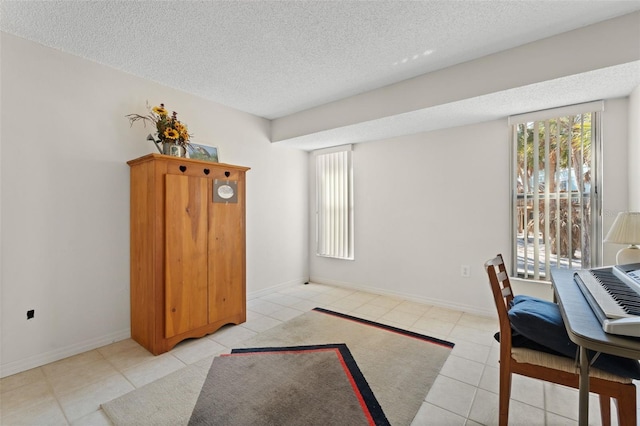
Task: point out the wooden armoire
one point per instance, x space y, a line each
187 247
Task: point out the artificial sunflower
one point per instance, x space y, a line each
160 110
171 134
168 127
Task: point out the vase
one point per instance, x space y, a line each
173 149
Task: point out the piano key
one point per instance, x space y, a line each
617 306
609 306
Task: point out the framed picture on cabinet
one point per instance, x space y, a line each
203 152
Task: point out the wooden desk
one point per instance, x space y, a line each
585 330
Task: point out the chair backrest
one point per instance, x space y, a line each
502 295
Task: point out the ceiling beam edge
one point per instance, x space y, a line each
574 52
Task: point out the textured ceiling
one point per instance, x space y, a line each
274 58
610 82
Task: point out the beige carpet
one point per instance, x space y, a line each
398 368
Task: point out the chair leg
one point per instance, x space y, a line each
505 395
605 410
626 404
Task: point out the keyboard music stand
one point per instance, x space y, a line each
585 330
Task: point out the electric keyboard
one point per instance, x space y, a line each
615 302
629 274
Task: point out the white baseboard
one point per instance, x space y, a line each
14 367
277 287
38 360
410 297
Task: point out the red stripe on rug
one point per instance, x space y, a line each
350 368
343 363
355 387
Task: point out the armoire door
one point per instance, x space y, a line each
226 254
186 280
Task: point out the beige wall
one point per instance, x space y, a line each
426 204
65 198
634 150
64 143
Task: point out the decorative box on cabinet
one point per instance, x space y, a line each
187 249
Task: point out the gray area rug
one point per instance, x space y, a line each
298 385
399 369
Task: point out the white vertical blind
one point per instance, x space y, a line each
334 203
555 185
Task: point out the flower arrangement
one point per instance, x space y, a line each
169 128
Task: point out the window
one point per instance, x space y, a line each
334 202
555 190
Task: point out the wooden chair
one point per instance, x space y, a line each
550 368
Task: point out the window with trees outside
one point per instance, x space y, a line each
555 190
334 202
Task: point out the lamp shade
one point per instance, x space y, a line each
625 229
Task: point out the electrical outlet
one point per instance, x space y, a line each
465 271
31 313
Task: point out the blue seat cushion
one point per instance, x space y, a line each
539 321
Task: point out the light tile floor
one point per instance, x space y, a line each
70 391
